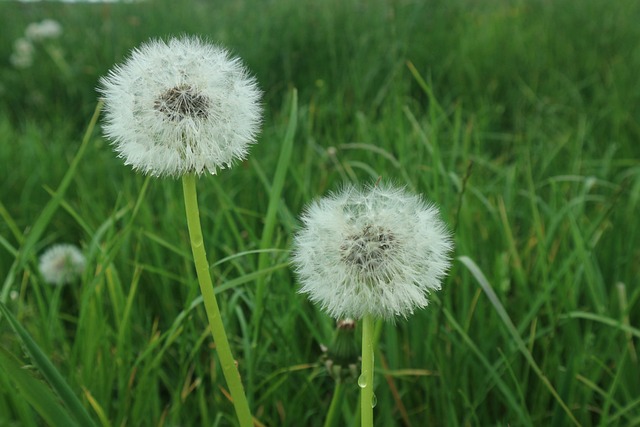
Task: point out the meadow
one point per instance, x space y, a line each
519 119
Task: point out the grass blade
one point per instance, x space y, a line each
43 220
493 373
53 377
37 394
511 328
630 330
272 210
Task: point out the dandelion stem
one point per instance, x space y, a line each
366 378
229 367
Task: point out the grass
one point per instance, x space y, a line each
518 118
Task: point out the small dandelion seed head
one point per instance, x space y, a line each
61 264
22 55
45 29
341 356
180 106
377 251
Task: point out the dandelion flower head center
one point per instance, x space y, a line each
64 263
182 102
368 250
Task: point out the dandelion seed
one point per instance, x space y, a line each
182 106
377 252
61 264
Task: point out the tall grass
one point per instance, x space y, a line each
519 118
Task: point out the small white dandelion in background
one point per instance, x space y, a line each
61 264
181 106
374 252
23 48
45 29
22 55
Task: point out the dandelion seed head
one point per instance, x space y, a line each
61 264
376 251
22 55
45 29
180 106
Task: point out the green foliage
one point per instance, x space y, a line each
519 118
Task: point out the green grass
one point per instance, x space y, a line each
519 118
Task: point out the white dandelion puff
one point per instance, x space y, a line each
181 106
45 29
22 55
377 251
61 264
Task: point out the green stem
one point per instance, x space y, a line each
228 363
336 404
366 377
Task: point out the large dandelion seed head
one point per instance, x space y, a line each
181 106
377 251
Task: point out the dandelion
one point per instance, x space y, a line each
341 361
45 29
182 106
61 264
375 252
22 55
372 253
341 356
